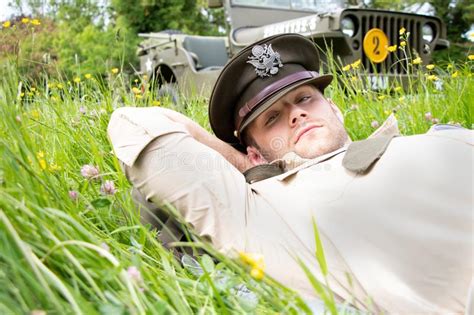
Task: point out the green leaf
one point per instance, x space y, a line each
207 263
319 250
112 309
320 289
100 202
312 279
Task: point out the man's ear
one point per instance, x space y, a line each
336 111
255 157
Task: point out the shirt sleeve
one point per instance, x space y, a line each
167 165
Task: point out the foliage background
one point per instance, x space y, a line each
82 36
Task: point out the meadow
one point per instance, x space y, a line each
70 237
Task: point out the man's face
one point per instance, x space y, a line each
302 121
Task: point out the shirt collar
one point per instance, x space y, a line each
291 160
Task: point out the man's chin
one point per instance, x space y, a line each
316 149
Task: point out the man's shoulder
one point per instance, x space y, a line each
436 143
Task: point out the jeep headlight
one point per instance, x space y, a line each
428 32
348 26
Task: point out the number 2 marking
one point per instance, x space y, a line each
376 42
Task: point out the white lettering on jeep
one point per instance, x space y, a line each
301 26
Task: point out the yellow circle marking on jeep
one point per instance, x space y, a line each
375 45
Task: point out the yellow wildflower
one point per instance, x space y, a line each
256 273
455 74
397 89
6 24
392 48
35 114
136 80
54 98
77 79
115 70
356 64
136 90
354 78
35 22
30 93
156 103
22 94
40 154
51 85
402 31
59 86
470 57
416 61
403 43
430 67
401 98
381 97
450 66
346 68
42 164
253 260
432 77
25 20
88 76
139 96
33 89
145 77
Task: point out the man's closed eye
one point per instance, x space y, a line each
272 118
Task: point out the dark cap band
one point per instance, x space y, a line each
269 90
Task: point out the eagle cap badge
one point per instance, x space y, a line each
265 60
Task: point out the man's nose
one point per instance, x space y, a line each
297 115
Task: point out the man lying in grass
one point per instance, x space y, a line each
394 213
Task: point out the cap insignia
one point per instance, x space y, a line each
265 60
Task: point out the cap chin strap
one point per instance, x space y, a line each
268 91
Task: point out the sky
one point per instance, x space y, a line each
5 10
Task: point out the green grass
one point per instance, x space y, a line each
65 255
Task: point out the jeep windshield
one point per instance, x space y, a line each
302 5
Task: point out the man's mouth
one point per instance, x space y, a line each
304 131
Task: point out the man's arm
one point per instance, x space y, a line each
164 160
235 157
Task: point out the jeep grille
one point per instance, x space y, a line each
391 24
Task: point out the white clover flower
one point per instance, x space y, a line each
89 171
134 273
73 194
108 188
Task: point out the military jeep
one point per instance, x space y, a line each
350 31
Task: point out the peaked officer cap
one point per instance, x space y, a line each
257 77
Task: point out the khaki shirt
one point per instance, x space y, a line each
397 238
